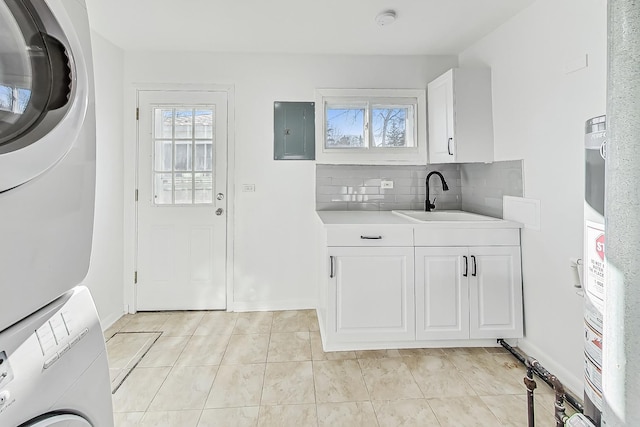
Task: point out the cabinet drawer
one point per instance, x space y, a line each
370 236
467 237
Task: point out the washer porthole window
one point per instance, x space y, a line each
36 74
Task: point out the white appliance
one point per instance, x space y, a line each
53 367
47 152
594 264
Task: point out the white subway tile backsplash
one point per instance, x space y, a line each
475 187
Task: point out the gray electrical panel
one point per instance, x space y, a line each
294 131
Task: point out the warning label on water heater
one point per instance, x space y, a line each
595 270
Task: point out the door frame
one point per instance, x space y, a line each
130 161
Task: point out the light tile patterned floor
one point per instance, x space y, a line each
268 369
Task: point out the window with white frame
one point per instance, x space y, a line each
372 125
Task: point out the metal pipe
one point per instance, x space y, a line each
543 374
531 386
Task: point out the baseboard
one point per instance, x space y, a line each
273 305
570 381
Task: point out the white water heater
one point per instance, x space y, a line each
594 264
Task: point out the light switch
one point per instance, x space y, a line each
386 184
248 188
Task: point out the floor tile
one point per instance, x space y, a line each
227 417
125 349
216 323
246 349
421 352
203 350
186 387
290 321
117 325
464 350
146 322
288 383
512 411
289 347
377 354
463 411
139 389
347 414
164 352
339 381
258 322
182 324
237 385
389 379
444 384
288 415
127 419
170 419
492 382
317 353
314 325
411 412
423 365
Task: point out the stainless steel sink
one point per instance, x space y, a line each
444 216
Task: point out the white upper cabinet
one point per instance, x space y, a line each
371 126
460 116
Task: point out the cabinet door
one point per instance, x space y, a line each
442 293
441 119
495 292
371 294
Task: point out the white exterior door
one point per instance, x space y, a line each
371 293
182 181
495 292
442 293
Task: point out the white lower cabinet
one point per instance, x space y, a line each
371 294
468 292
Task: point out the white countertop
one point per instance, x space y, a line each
345 218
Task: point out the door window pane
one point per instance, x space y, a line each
163 189
345 127
203 188
183 155
204 124
183 123
162 156
179 152
184 188
390 126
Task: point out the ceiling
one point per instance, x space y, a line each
422 27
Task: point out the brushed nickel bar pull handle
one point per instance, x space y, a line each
371 237
331 268
475 267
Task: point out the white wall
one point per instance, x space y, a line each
275 239
539 114
106 269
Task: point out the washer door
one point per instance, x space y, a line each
58 420
41 105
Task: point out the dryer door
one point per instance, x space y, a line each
58 420
39 73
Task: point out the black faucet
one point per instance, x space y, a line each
427 203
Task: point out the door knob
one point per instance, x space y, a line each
219 196
219 211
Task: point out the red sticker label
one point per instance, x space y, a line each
600 246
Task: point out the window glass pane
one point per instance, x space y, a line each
163 123
204 124
162 155
184 188
184 123
390 126
345 127
162 189
204 188
183 155
204 156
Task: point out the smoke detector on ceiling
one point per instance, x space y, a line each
385 18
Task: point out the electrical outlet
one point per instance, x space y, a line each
248 188
386 184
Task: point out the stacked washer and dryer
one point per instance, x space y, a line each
53 363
